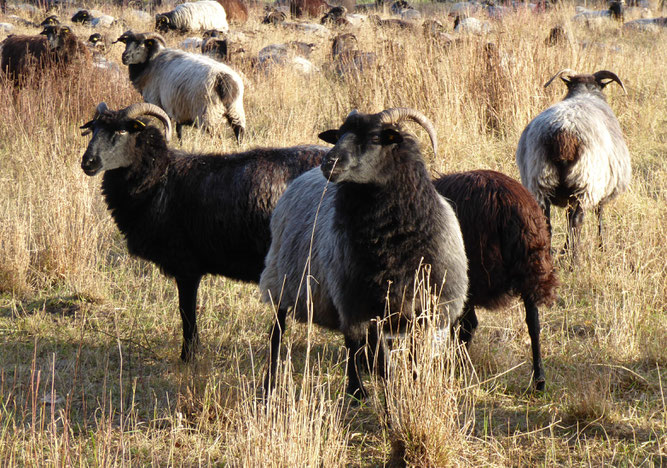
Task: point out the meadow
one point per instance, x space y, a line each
90 337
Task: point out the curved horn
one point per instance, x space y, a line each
607 75
399 114
145 108
564 70
101 108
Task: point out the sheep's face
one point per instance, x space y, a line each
50 21
112 143
140 50
162 23
56 35
361 151
82 16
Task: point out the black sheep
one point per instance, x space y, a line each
190 214
508 248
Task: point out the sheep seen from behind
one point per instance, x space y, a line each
359 242
573 154
508 248
190 214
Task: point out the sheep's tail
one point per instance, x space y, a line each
563 147
231 95
535 275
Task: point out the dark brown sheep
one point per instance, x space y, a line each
508 247
236 10
301 8
25 56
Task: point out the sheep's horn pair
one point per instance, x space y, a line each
145 108
607 75
564 70
399 114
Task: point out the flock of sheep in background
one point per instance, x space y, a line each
251 216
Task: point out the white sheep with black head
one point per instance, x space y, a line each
191 88
361 239
193 16
573 154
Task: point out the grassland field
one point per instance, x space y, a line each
90 337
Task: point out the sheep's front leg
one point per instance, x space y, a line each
533 322
354 385
468 322
187 304
276 338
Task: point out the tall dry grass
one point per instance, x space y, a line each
88 336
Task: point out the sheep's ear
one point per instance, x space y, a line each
389 136
87 128
149 43
136 125
330 136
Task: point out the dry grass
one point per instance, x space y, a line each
89 336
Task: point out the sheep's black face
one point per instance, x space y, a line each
162 23
360 154
111 145
138 50
81 16
50 21
56 35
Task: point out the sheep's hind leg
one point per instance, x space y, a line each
187 304
354 385
575 218
276 337
598 211
533 322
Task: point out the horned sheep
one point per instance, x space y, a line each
190 214
193 16
573 154
363 238
508 248
191 88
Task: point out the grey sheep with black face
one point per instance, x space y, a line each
191 88
354 246
573 154
190 214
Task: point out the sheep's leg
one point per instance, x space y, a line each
187 304
354 385
274 352
575 218
547 214
179 131
533 322
468 323
598 211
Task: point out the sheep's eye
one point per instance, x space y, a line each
375 139
122 131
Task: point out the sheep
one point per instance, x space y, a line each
590 17
406 11
190 214
573 154
363 237
301 8
646 24
86 17
236 11
347 60
7 28
193 16
66 46
558 35
471 25
22 55
508 248
273 16
335 16
285 54
191 88
391 23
